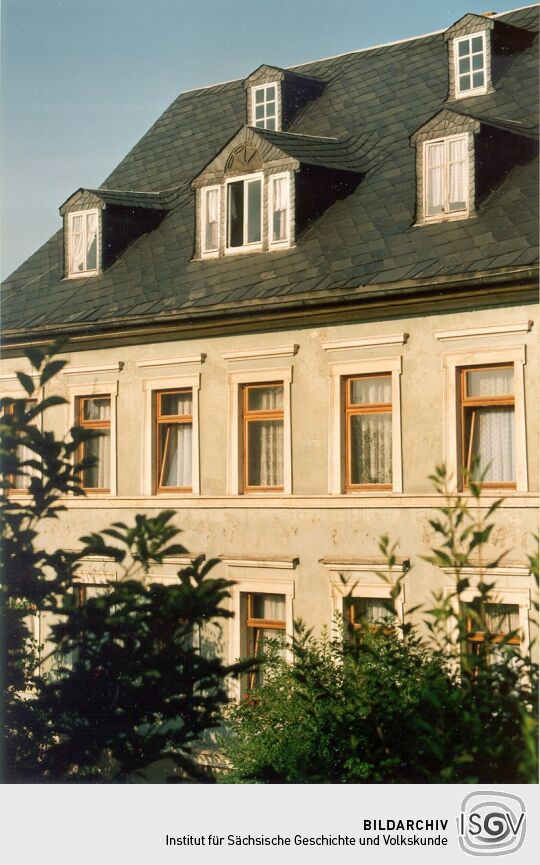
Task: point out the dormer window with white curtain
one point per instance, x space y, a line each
279 209
446 178
264 106
470 64
83 243
210 239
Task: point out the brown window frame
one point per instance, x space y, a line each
469 404
249 416
477 638
93 425
352 409
254 624
161 419
350 616
14 490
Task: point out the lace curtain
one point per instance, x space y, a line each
280 205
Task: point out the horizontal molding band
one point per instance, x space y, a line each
487 330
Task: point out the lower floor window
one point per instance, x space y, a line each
264 620
372 613
492 627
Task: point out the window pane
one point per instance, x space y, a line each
501 618
265 453
270 93
212 219
269 607
477 43
176 403
270 123
478 79
435 160
478 61
254 211
267 398
91 241
463 47
77 245
259 112
97 477
370 609
270 109
465 64
490 382
97 408
175 450
371 448
371 390
259 95
280 203
236 213
465 82
492 431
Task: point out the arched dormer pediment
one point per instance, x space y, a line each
244 158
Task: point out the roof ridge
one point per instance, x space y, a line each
295 66
296 134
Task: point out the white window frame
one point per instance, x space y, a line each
471 91
277 244
235 383
512 587
74 274
452 363
277 100
210 253
149 388
336 429
246 247
446 214
98 388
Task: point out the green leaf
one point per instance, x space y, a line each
51 369
27 383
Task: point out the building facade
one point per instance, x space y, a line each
297 295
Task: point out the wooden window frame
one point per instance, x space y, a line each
351 410
470 91
469 404
350 619
250 416
74 274
255 245
252 625
94 425
446 214
477 638
160 420
257 89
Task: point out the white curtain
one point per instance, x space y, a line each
457 174
98 477
371 448
372 609
91 240
498 381
269 607
494 443
501 618
176 455
373 391
212 217
280 205
77 244
435 181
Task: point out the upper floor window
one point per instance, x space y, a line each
263 437
83 243
368 431
446 177
470 64
19 483
264 106
174 440
210 219
244 212
279 209
94 413
488 424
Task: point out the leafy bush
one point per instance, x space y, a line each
399 704
125 685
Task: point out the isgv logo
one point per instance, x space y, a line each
491 824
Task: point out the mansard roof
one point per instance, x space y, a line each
364 249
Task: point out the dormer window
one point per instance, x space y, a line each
264 106
446 177
470 64
244 212
279 209
83 243
210 240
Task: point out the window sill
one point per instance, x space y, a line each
243 250
447 217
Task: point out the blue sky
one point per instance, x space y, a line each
82 80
